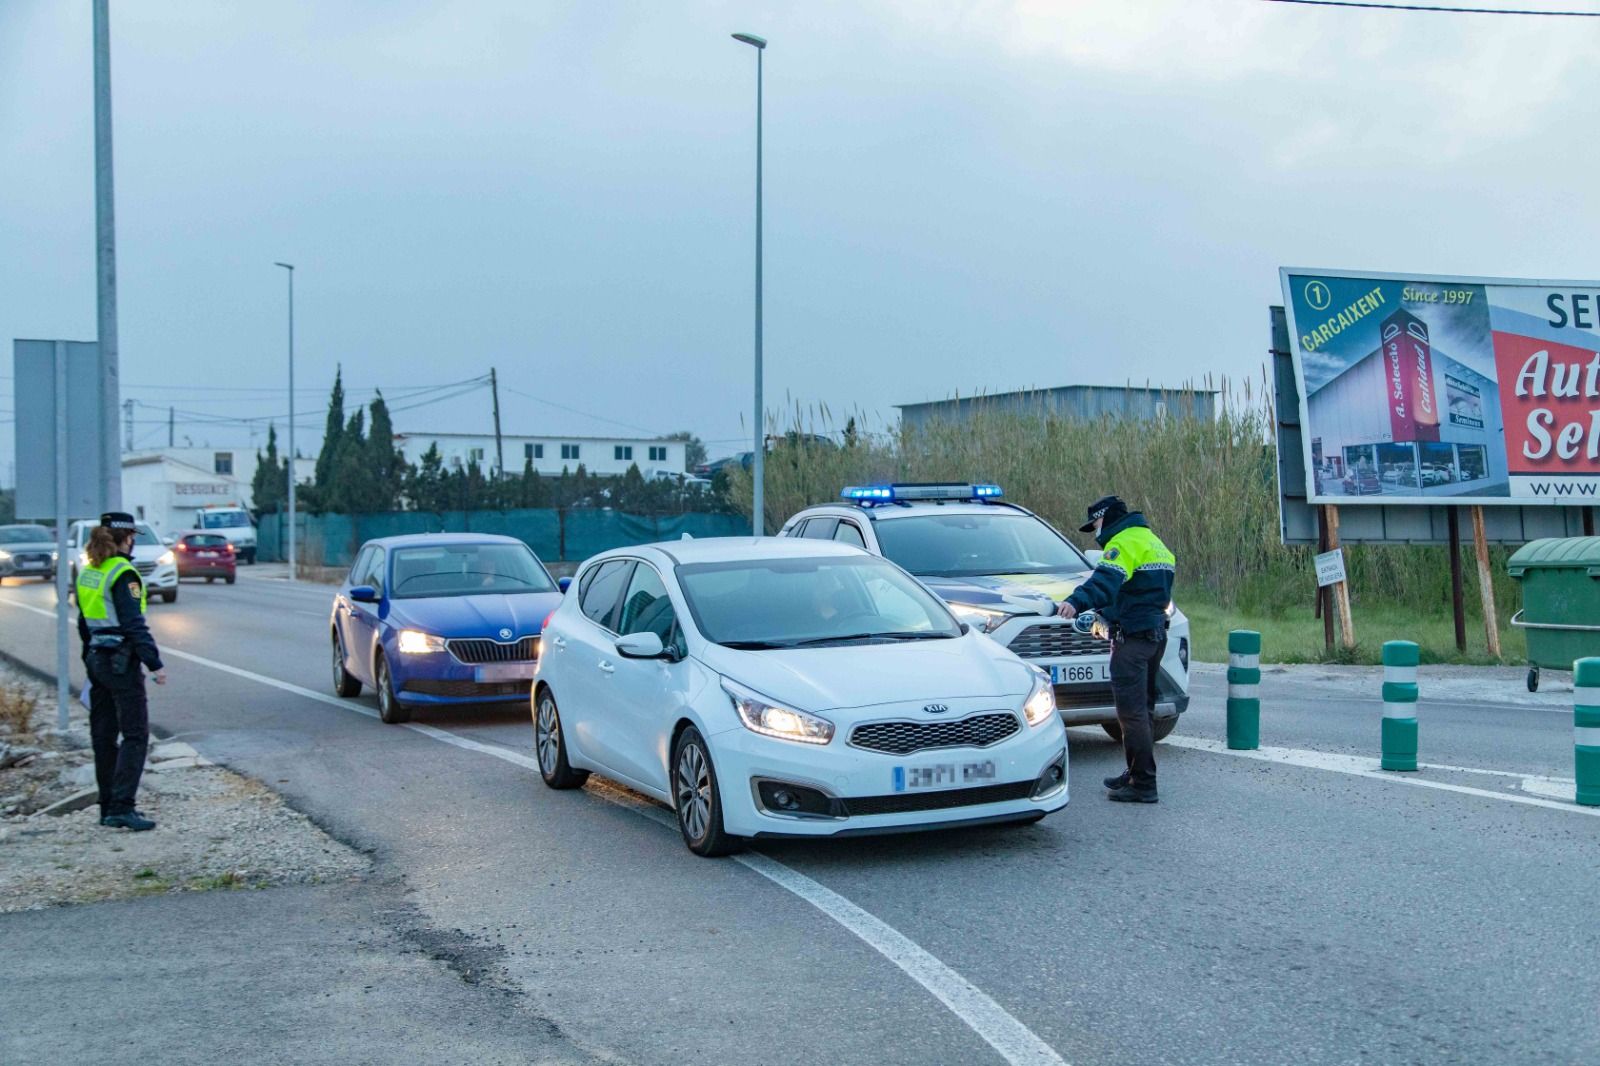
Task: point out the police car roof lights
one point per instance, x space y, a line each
906 491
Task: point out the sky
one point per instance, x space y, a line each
959 196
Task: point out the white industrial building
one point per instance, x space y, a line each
165 486
549 455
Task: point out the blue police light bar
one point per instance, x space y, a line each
920 491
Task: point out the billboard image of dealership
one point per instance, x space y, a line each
1424 389
1406 419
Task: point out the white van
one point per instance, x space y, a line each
233 523
152 557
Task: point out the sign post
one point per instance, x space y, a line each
60 460
1341 587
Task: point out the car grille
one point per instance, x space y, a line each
34 558
145 568
1075 697
903 738
901 802
477 650
467 689
1056 642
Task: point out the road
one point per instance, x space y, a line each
1299 906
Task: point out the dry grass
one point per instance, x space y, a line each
16 710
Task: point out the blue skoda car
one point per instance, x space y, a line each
441 618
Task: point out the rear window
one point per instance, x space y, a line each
206 540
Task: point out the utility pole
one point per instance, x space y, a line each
127 425
758 471
293 573
105 247
499 447
172 426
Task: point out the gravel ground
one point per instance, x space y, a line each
215 828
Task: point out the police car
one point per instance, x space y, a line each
1002 569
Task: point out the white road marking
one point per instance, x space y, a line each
1015 1042
1360 766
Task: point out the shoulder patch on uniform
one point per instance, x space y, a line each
133 588
1111 553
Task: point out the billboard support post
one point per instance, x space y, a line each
1324 593
1491 623
1458 606
1341 589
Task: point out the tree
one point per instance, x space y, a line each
269 488
333 431
388 466
694 449
851 437
427 485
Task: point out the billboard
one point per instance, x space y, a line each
1423 389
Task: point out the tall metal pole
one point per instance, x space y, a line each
758 470
291 534
499 448
105 242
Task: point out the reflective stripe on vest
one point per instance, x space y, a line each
100 609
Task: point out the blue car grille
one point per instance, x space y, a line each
475 650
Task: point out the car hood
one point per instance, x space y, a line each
523 613
1017 593
864 675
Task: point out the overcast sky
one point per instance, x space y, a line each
959 196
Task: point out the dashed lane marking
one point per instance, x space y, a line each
1015 1042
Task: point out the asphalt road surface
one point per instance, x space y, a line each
1298 906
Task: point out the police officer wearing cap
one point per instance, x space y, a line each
117 648
1130 588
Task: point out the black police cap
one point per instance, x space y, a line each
1109 508
118 520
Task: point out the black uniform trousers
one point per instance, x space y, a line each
1135 664
117 706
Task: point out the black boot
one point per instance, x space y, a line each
131 820
1120 781
1132 794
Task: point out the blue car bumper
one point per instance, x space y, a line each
439 679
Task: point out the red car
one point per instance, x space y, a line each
207 555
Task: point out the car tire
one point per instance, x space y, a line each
390 709
696 798
249 556
228 580
344 683
211 579
1160 728
550 745
169 596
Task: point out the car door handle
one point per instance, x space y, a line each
606 667
558 642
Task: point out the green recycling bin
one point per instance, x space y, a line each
1560 578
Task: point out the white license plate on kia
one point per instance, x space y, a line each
1072 674
505 672
943 775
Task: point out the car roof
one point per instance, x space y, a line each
735 549
424 540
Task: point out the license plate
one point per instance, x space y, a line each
1070 674
208 555
30 564
505 672
942 775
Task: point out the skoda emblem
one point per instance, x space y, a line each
505 634
935 708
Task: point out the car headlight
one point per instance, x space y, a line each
55 557
1041 702
982 619
5 556
760 715
167 559
1171 610
416 642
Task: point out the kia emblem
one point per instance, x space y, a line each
505 634
935 708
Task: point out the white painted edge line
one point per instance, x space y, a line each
1358 766
1015 1042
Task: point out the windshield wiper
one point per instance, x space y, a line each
913 634
755 645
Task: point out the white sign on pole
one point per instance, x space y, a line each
61 471
1330 568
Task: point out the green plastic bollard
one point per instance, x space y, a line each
1586 729
1400 658
1244 686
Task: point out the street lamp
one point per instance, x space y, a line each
290 268
759 470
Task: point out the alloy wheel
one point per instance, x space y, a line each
385 698
545 736
694 791
338 664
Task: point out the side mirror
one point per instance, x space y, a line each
364 594
641 646
1093 555
169 540
563 583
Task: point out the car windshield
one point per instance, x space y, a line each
467 570
786 603
25 535
145 537
223 519
973 545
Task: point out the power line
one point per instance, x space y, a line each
1370 5
575 411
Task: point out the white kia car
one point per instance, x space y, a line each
780 687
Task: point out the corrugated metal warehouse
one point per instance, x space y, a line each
1085 402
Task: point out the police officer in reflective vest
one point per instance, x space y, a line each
1130 588
117 648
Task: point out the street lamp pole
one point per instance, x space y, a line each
292 571
758 470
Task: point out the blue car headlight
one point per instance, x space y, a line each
416 642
